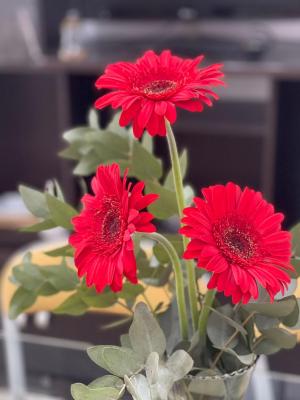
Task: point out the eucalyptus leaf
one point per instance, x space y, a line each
145 334
266 347
219 330
152 368
166 205
60 276
28 275
107 381
144 165
40 226
64 251
60 212
147 142
292 319
278 309
281 337
73 305
125 341
99 300
130 291
93 119
119 361
21 300
83 392
179 364
264 322
35 201
138 387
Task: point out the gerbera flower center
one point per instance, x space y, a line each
236 239
159 88
111 225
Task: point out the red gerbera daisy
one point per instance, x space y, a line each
237 236
103 230
149 89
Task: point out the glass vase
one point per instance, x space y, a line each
230 386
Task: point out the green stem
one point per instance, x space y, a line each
183 320
204 314
178 183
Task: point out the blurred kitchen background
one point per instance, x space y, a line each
51 52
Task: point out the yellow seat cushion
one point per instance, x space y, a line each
49 303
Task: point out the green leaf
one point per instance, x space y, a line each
264 322
138 387
60 212
28 275
119 361
35 201
145 334
291 320
64 251
125 341
155 276
61 277
40 226
98 300
144 165
107 381
183 158
82 392
73 305
87 164
179 364
281 337
166 205
147 142
278 309
295 231
93 119
246 359
189 195
21 300
295 261
46 289
130 291
219 330
152 368
266 347
223 312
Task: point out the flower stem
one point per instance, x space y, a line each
183 320
178 183
204 314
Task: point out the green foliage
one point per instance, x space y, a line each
119 361
34 280
49 206
142 350
145 334
82 392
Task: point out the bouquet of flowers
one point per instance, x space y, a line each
230 240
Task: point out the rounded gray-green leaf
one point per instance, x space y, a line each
146 336
82 392
119 361
179 364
